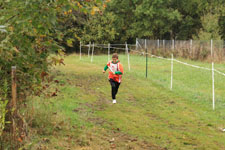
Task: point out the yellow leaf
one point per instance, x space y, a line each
94 9
79 5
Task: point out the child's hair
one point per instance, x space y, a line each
115 55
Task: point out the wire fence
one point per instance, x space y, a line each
169 51
191 49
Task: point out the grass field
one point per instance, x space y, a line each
148 114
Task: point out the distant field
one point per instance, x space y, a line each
148 114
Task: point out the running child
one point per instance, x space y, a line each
115 74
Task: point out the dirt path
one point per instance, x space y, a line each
99 137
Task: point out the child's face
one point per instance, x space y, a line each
114 60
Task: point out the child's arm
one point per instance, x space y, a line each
118 72
121 70
106 67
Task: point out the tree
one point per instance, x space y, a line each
100 28
30 32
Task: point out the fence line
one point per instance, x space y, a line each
219 72
143 53
108 51
128 57
93 47
213 85
213 77
194 49
89 48
80 49
169 59
184 63
118 48
160 57
171 80
126 49
118 44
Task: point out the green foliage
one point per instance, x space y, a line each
124 17
157 19
210 27
28 41
3 112
30 32
3 105
212 21
71 23
118 21
100 29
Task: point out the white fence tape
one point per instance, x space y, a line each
184 63
160 57
219 72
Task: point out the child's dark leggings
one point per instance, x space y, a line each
115 86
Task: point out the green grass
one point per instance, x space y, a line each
188 82
81 116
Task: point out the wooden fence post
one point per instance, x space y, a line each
14 94
13 102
